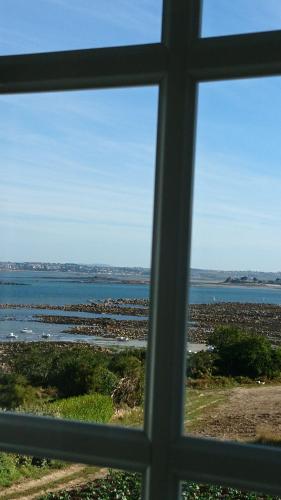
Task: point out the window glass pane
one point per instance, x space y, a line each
77 176
228 17
235 292
51 25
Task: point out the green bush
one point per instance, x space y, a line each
130 391
201 364
35 362
15 391
76 370
194 491
90 407
126 486
14 467
125 364
225 335
68 369
244 354
8 469
116 485
73 377
103 381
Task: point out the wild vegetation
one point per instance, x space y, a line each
236 353
76 382
86 383
126 486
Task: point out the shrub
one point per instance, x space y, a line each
91 408
35 363
103 381
245 354
76 370
129 391
195 491
73 377
15 391
14 467
68 369
125 364
250 357
116 485
8 469
225 335
201 364
125 486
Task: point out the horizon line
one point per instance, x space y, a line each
43 262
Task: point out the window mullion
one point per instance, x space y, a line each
248 466
171 248
74 441
236 56
83 69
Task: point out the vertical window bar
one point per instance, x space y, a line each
171 248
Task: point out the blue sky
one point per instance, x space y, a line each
77 168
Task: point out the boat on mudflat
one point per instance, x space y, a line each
12 336
46 335
26 330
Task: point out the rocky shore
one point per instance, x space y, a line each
101 327
105 307
261 319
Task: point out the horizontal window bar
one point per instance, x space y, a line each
215 58
237 56
74 441
250 467
78 69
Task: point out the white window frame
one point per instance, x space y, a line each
160 451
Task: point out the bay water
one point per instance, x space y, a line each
70 288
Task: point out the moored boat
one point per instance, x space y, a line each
46 335
12 336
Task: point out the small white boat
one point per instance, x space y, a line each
46 335
26 330
123 339
12 336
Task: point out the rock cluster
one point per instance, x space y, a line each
262 319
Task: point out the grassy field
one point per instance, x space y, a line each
207 412
198 403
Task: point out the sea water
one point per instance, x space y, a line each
71 288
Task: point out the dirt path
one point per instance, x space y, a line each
245 414
65 479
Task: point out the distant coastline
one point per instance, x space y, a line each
222 284
118 275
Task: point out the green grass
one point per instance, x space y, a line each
116 485
198 403
14 468
128 417
126 486
85 474
90 408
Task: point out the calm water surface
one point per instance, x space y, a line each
68 288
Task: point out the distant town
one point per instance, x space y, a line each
142 274
95 272
71 267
